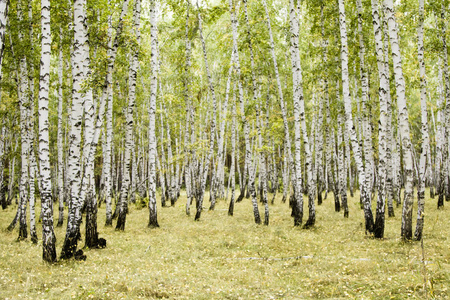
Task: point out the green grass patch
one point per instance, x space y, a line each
222 257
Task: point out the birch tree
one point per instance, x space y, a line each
294 164
348 116
134 62
299 112
424 118
153 217
382 92
76 114
48 235
406 231
4 5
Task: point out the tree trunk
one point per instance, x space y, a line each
382 94
153 216
60 136
406 231
76 114
425 137
294 164
48 235
365 182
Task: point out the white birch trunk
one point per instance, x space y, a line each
4 4
113 46
294 164
406 231
76 114
60 136
299 113
48 235
25 128
132 75
365 183
425 136
153 217
205 170
382 94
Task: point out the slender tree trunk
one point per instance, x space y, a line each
134 61
60 136
364 174
341 164
299 112
382 93
248 160
390 191
406 231
233 157
76 114
445 184
294 164
113 46
153 216
25 128
425 137
204 172
48 235
4 5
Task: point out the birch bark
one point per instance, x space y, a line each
4 5
153 216
48 235
76 114
294 164
382 94
132 75
424 118
406 231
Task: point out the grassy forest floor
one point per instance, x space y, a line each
222 257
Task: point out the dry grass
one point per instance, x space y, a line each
210 259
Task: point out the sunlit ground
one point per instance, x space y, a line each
222 257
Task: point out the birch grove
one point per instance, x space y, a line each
136 104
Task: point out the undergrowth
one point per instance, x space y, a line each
223 257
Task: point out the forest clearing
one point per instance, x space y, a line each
223 257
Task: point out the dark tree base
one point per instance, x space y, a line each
369 222
108 223
391 213
440 204
116 212
337 204
79 255
14 222
283 200
153 224
49 251
70 246
120 226
231 208
197 215
297 216
273 199
34 238
23 234
378 228
319 198
60 223
310 223
346 214
431 192
241 194
419 229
